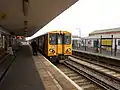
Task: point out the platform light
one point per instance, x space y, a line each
25 32
25 23
25 7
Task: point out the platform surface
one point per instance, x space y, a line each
22 74
52 77
99 54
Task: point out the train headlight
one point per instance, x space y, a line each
52 51
68 50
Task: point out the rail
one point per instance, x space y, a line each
90 77
77 76
104 79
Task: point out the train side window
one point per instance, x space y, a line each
52 38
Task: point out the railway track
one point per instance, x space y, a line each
78 78
101 64
107 78
97 62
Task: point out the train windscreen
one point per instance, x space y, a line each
67 38
52 38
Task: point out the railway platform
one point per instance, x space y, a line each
29 72
99 57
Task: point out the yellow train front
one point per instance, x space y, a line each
56 45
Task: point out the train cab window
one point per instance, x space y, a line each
52 38
67 39
59 36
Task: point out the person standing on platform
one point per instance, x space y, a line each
10 51
34 47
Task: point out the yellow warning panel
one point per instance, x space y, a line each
107 42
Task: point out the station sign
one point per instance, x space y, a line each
20 37
106 42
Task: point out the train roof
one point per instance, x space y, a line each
54 31
58 31
105 31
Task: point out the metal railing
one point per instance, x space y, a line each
106 46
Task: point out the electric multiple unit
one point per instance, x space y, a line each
56 45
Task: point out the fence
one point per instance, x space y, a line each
107 46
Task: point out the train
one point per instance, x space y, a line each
55 45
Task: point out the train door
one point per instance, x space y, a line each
60 39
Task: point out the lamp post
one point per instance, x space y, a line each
25 27
79 36
25 7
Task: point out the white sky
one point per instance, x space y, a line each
87 16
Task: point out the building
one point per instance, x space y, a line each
107 33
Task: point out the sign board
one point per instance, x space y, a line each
106 42
20 36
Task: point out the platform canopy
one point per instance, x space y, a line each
28 16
